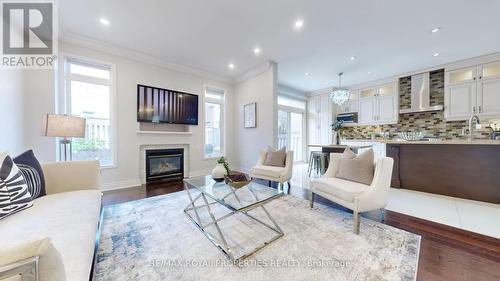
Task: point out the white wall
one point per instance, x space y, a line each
11 111
261 87
33 94
128 74
39 99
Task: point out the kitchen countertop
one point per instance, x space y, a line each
474 142
338 145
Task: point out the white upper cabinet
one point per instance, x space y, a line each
378 105
366 113
319 119
489 71
460 76
459 100
473 90
488 98
351 105
387 104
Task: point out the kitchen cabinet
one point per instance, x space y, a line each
387 109
378 105
439 169
459 100
488 98
366 113
319 119
472 90
351 105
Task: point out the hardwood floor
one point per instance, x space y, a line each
446 253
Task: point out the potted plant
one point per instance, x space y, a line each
221 169
336 131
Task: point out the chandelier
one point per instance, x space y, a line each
339 95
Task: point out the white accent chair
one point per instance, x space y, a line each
281 175
355 196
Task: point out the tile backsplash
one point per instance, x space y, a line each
432 123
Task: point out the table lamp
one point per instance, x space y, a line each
65 127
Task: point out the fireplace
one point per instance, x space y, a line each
164 165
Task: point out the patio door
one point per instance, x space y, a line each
291 132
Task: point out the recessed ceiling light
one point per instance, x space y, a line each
352 58
307 74
436 54
369 72
231 66
256 51
435 30
298 24
104 21
326 83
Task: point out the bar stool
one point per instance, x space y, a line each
318 162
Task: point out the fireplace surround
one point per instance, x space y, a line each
164 165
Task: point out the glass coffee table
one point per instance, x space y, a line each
206 195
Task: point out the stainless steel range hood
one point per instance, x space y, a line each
420 95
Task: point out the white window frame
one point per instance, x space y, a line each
64 97
222 103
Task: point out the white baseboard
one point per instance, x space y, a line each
137 182
120 184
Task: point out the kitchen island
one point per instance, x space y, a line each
463 169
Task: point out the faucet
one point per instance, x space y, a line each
471 129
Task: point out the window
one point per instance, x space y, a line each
88 93
214 122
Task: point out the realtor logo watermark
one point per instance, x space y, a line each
29 34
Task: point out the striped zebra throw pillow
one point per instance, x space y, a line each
14 194
32 172
33 180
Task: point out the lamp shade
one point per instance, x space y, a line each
67 126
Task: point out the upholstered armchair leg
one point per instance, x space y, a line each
356 219
311 204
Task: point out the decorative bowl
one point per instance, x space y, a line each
236 180
411 136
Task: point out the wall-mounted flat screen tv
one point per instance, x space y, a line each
156 105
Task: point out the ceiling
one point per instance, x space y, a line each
387 37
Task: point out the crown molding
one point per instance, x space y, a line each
447 66
77 39
291 92
254 72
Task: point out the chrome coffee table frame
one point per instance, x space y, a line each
221 241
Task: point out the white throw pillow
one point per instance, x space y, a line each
50 264
275 157
357 168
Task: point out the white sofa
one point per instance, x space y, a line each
355 196
69 215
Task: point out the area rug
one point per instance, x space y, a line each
152 239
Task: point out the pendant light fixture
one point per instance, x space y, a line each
338 94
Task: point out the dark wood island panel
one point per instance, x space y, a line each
469 171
